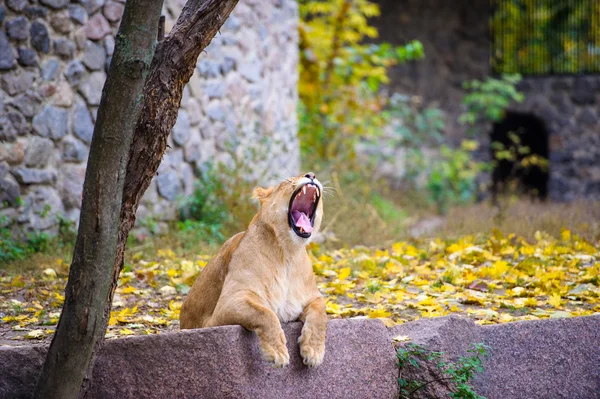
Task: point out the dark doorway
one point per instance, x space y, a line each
519 148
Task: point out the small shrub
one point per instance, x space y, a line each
221 204
452 179
204 204
458 374
488 100
12 249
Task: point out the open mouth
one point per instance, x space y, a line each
302 210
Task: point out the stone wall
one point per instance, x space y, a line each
569 107
53 61
456 39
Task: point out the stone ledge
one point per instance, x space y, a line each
224 362
532 359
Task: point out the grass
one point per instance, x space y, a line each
524 218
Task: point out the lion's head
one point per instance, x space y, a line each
294 205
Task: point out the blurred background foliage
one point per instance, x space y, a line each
341 74
350 127
543 37
345 105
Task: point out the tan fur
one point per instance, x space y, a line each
262 277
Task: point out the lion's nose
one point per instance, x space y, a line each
310 175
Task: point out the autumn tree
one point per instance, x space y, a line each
139 107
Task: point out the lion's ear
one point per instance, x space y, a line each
262 193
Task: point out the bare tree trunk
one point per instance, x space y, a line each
88 289
126 151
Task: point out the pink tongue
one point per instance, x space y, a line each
302 221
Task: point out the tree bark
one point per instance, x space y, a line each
126 151
172 67
88 289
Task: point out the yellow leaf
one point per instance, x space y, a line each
35 334
50 273
505 318
344 273
332 308
555 300
378 313
126 331
172 273
326 259
401 338
498 269
388 322
128 290
175 305
531 302
427 302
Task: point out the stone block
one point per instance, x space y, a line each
169 185
224 362
97 27
16 28
91 89
71 185
17 83
39 151
52 122
40 38
94 56
35 176
7 57
542 359
56 4
83 126
181 130
27 57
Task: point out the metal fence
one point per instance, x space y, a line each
542 37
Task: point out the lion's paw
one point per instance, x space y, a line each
277 355
276 352
312 351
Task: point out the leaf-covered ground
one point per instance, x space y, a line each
491 279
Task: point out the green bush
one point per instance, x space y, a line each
12 249
488 100
452 179
459 373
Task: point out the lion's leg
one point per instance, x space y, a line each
246 309
312 340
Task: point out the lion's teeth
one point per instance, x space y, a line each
318 192
304 189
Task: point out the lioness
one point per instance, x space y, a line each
263 276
